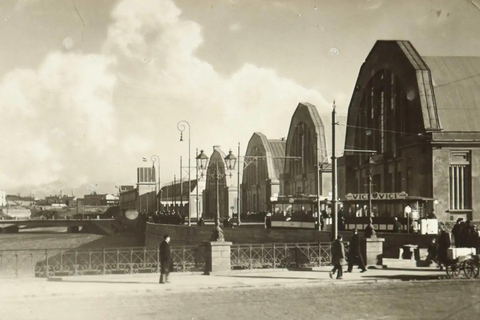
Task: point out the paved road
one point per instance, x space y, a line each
260 295
374 300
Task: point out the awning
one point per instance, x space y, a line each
173 203
388 197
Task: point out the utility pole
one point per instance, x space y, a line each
334 179
319 215
370 186
196 177
369 172
181 187
238 187
174 187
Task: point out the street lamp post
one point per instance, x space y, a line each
319 217
238 187
197 187
154 159
230 162
334 178
181 127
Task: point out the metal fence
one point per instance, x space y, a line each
76 262
63 262
281 255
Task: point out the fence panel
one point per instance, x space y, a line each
77 262
280 255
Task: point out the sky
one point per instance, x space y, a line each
90 88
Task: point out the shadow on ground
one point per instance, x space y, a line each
269 277
100 281
405 277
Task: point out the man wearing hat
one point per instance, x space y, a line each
165 259
354 253
457 231
338 257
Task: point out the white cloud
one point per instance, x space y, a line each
52 117
90 118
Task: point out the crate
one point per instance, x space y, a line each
454 253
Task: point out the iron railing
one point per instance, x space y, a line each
74 262
281 255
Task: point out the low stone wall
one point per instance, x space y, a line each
394 241
184 235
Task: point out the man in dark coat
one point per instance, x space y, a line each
468 235
341 219
397 226
354 254
338 257
443 245
476 238
165 259
457 233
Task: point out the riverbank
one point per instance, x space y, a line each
54 239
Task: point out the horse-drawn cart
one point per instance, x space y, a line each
462 259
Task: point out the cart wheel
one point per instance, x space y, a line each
453 270
470 269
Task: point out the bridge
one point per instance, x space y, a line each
73 225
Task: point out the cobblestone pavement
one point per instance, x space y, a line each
272 295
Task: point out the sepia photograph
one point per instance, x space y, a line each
239 159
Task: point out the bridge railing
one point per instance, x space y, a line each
281 255
75 262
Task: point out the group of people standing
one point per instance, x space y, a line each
354 255
465 234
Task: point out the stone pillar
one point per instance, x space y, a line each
373 250
217 256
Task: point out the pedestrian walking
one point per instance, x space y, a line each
354 254
165 259
338 257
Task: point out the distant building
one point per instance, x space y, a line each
420 116
128 200
227 187
3 199
141 198
307 151
95 200
63 200
146 189
263 166
125 188
176 197
112 200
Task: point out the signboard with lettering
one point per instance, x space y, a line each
376 196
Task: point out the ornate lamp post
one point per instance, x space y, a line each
201 166
181 127
230 162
